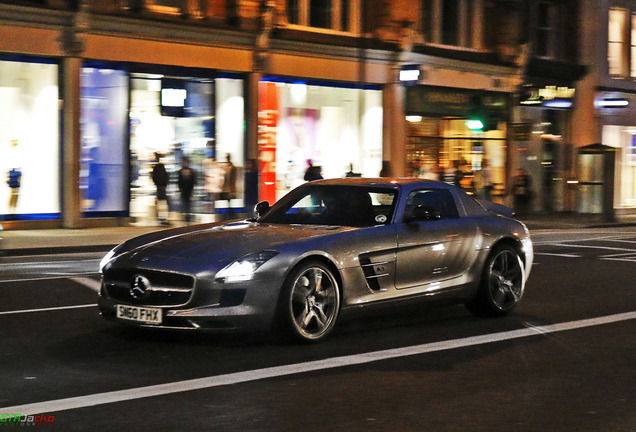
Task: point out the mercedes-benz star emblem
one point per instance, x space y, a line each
140 287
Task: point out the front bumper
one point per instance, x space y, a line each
249 305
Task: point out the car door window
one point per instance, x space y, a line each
437 201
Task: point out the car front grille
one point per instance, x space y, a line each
148 287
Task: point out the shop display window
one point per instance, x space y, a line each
206 126
437 148
336 130
104 126
624 139
29 140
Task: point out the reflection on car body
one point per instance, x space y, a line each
326 249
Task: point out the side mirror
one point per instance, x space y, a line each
261 209
422 213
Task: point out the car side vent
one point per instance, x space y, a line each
374 271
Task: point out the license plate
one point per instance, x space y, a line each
139 314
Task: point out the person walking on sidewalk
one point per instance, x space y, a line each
522 192
186 180
229 185
161 178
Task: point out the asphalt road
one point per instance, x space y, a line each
562 362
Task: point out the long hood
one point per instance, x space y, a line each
227 242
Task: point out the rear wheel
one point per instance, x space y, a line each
502 284
310 302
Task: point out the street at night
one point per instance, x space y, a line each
197 199
562 361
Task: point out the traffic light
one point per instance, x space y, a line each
479 118
475 124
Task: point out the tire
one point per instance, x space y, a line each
502 284
310 302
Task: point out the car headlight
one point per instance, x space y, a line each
109 256
243 268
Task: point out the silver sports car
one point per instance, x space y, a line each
326 249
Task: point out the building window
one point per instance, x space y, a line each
172 7
450 22
616 54
339 15
293 13
547 42
633 46
427 20
345 16
320 13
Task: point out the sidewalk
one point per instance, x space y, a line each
573 220
32 242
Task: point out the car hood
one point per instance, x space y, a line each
229 241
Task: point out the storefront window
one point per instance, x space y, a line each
438 147
625 139
29 141
338 129
104 125
194 118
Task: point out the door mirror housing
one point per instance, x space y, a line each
261 209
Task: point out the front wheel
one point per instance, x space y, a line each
310 302
502 284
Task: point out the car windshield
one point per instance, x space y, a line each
356 206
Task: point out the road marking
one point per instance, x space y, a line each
88 282
614 237
627 257
567 245
312 366
43 264
48 309
30 279
558 255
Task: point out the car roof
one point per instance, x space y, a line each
407 185
389 182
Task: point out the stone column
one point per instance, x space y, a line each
73 47
394 127
71 209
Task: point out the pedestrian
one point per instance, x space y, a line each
454 175
522 191
161 179
186 181
251 185
213 185
483 182
229 184
386 169
351 173
313 172
427 171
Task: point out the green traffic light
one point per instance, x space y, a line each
475 124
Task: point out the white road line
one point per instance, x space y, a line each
615 237
44 264
312 366
39 278
48 309
558 255
88 282
626 257
592 247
